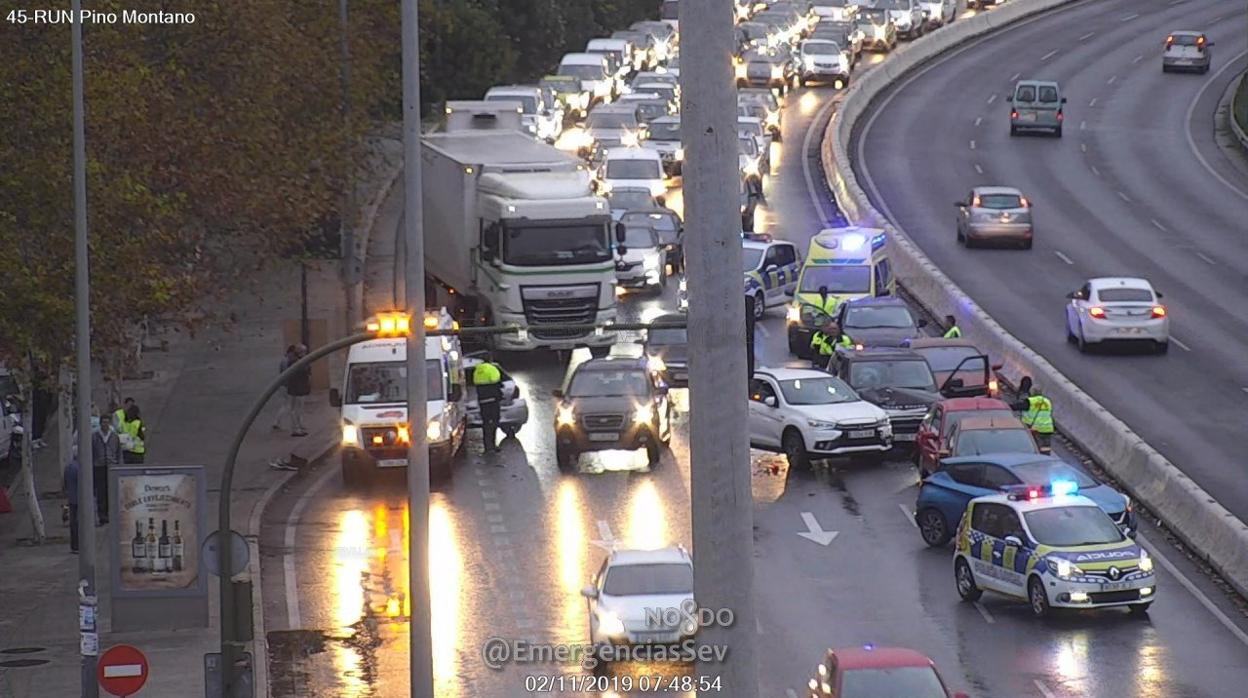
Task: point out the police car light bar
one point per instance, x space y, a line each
1057 488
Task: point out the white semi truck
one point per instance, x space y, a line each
515 235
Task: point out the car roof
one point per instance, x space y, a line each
882 353
879 658
1186 32
650 557
503 89
1025 505
996 190
1008 460
933 342
632 153
1036 82
963 404
1104 282
582 58
876 301
613 363
785 374
983 423
653 211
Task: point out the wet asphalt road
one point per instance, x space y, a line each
513 541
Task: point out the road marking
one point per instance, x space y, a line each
1049 55
1087 36
1187 125
1092 103
984 612
498 528
992 99
978 169
790 693
1044 690
1095 171
763 328
906 512
810 180
1157 224
294 618
484 483
1191 588
489 494
1205 257
1182 346
1083 146
1111 79
1244 389
606 539
1083 125
491 506
1015 77
979 120
1124 197
1064 258
972 145
814 532
1130 17
1138 58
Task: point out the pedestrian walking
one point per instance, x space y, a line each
70 484
954 332
488 379
298 387
105 454
132 434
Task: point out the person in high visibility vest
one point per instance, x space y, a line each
954 332
820 343
1039 417
132 435
488 379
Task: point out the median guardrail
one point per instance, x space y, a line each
1186 509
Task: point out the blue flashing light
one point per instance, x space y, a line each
877 242
1062 488
868 647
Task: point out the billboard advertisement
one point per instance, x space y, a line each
158 524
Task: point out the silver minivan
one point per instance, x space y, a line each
1037 105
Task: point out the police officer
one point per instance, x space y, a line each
954 332
1038 416
820 343
488 379
132 434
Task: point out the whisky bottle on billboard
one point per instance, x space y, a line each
152 547
138 549
177 545
166 552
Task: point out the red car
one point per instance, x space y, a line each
934 430
864 672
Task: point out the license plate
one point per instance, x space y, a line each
1129 330
1027 116
861 433
392 463
1116 586
904 437
604 437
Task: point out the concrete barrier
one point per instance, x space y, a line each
1190 512
1239 112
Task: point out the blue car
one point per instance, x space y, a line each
944 494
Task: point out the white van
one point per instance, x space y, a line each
373 400
591 69
630 60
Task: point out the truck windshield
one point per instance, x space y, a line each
665 130
387 382
583 71
839 279
537 245
606 119
634 169
528 103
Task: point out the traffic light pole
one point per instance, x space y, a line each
723 535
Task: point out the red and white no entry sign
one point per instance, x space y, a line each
122 670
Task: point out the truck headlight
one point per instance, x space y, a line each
658 188
777 72
751 168
565 416
684 285
651 262
350 435
643 414
740 71
809 61
1146 562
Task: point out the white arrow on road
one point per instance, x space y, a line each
606 539
814 531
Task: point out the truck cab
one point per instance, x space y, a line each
373 401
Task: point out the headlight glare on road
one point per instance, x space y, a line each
1146 562
566 416
350 435
643 414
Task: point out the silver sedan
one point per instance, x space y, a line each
995 214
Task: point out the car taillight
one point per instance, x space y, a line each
1159 311
1013 113
1060 116
1096 312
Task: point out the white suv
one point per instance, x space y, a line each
805 413
637 593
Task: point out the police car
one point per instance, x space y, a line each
850 263
771 269
1052 547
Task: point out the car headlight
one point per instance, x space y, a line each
680 153
793 315
773 118
740 71
644 414
433 431
820 424
566 416
350 434
610 624
902 21
1146 562
1065 569
657 364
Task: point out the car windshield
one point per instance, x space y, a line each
627 199
650 580
528 103
899 373
748 146
651 110
1125 295
667 337
816 391
955 418
750 127
1183 40
850 278
387 382
637 238
562 86
867 317
634 169
583 71
1065 527
753 96
537 243
609 383
977 442
895 4
1045 472
872 14
948 358
820 48
750 257
664 90
1000 201
607 119
891 682
665 130
665 222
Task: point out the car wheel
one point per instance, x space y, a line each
1038 597
933 527
760 306
1081 342
1070 334
1204 69
654 454
1163 347
1140 609
795 450
1165 68
565 457
1013 130
961 237
510 432
964 579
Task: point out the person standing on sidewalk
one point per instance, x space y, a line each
132 435
105 454
298 386
70 483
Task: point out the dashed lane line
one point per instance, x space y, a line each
992 99
1064 258
1111 79
1177 341
1124 197
1044 690
979 120
1092 102
1095 171
1158 225
906 512
1130 17
1205 257
978 169
1049 55
1087 36
983 611
972 145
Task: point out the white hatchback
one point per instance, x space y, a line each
804 413
642 597
1117 309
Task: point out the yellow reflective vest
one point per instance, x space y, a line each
1039 414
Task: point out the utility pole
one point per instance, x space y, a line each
82 332
723 535
421 639
347 219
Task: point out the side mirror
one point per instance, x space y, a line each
1073 295
557 393
921 323
1063 100
1013 542
1209 43
335 398
589 591
770 401
955 383
944 453
1160 295
619 238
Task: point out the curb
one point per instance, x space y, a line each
1236 127
1191 513
367 219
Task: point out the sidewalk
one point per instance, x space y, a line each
192 400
